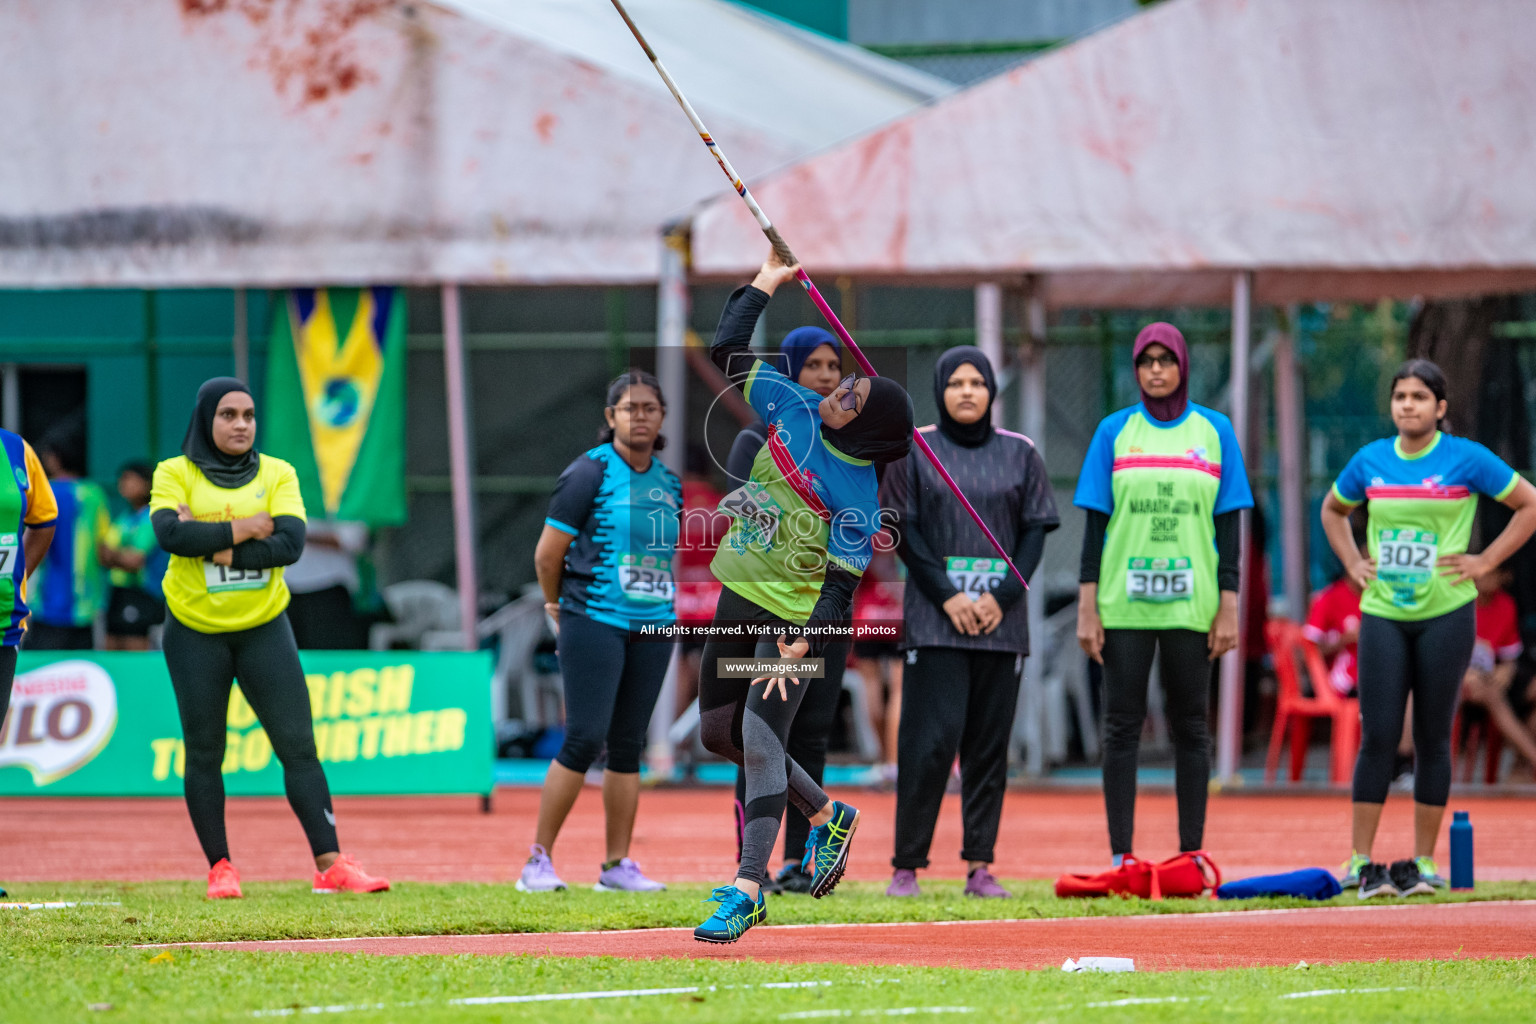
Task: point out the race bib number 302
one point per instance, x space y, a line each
646 578
975 576
1159 580
222 578
1406 556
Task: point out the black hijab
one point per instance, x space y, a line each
882 431
968 435
223 470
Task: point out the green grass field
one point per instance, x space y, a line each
58 964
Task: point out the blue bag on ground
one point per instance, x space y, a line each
1308 883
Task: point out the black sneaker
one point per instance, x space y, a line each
1376 881
793 879
771 885
1407 880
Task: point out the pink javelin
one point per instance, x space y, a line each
782 250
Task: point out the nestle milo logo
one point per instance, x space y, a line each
61 717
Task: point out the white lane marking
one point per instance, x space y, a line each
1139 1002
1097 919
54 905
538 997
1338 992
897 1011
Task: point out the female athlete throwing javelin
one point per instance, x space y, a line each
802 534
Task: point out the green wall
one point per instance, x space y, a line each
124 339
829 17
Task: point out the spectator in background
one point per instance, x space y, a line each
69 588
136 562
324 584
1486 684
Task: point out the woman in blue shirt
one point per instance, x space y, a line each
604 562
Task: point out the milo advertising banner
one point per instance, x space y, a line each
105 724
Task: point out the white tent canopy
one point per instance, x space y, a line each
1337 150
478 141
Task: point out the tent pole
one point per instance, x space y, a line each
1032 426
989 334
458 463
242 340
672 374
1290 425
1229 734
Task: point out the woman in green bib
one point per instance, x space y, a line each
1163 487
1418 621
231 519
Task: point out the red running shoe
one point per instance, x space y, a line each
224 881
346 876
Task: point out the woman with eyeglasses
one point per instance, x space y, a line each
803 530
813 359
1163 486
604 562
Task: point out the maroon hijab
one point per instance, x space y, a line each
1173 405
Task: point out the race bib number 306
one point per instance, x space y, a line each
646 578
222 578
975 576
1159 580
1406 556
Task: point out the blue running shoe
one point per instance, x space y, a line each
826 851
737 913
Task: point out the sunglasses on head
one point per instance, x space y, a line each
849 399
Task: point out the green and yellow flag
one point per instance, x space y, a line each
335 402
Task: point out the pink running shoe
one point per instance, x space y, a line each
903 883
626 876
539 873
981 883
346 876
224 881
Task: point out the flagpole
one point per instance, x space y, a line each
787 257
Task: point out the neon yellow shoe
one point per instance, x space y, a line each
1349 871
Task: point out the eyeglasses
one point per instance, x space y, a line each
1166 361
849 399
647 410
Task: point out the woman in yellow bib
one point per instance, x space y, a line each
231 519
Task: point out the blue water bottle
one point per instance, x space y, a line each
1461 851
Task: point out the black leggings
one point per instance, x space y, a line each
739 722
953 700
611 686
266 662
1428 659
1185 669
807 745
7 680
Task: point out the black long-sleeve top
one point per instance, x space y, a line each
193 539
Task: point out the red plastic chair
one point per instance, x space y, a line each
1294 712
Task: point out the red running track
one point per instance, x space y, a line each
1156 942
687 835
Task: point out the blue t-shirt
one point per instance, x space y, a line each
618 570
1421 509
806 505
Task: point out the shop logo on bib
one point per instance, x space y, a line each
61 717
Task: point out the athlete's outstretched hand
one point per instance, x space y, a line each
1460 568
796 650
772 274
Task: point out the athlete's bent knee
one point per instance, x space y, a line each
578 752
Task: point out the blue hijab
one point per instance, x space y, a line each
799 343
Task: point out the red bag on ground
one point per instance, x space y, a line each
1188 874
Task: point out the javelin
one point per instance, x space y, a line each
782 251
